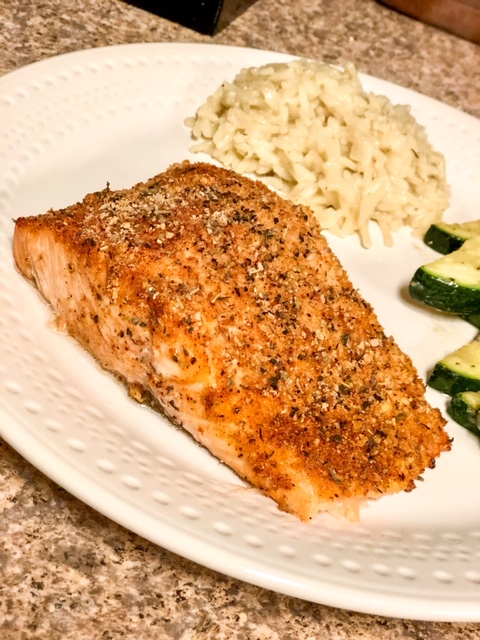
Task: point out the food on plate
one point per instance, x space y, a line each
464 408
447 237
221 302
458 375
458 371
451 283
315 135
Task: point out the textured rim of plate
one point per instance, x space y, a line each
320 585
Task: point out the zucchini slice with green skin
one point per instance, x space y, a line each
451 283
465 409
473 319
445 238
458 371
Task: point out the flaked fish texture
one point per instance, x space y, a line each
223 302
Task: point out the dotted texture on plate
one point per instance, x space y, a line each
73 123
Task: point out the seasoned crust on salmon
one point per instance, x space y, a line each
223 302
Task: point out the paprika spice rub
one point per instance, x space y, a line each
222 302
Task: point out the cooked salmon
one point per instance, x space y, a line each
222 303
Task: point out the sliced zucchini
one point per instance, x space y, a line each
465 409
473 319
458 371
445 238
451 283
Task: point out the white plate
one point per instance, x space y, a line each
69 125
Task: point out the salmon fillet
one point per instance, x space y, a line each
223 303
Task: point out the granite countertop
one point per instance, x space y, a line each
69 572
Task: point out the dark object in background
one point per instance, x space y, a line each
204 16
460 17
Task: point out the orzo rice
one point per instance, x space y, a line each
313 133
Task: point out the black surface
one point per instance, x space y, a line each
204 16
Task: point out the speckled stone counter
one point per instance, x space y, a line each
69 572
